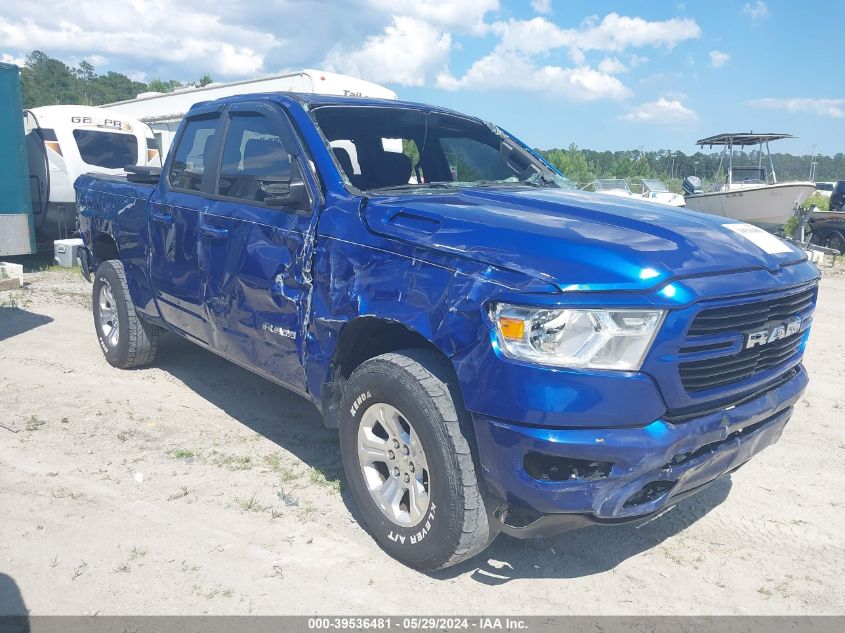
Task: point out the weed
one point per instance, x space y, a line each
250 504
15 300
288 498
234 462
34 423
181 453
123 568
183 492
62 493
80 569
274 462
55 561
320 478
137 553
213 593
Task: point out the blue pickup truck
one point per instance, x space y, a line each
499 351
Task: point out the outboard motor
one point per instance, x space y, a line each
691 185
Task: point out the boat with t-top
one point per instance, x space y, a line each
750 193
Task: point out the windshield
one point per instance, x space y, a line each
611 184
388 148
654 185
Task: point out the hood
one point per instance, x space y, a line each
576 240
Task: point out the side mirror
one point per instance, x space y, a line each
293 195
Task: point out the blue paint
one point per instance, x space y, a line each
278 292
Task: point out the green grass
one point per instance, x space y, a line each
11 299
181 453
320 478
34 423
234 462
275 464
250 504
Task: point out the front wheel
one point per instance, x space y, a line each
126 340
408 463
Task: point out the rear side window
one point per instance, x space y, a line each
256 163
194 146
106 149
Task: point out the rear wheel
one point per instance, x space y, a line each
126 340
408 463
836 241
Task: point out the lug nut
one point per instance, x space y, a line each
405 449
391 454
411 466
395 471
407 478
395 443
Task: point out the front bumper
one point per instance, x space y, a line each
649 467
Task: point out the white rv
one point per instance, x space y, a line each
66 141
164 111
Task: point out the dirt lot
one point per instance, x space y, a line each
194 487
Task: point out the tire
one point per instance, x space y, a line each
415 395
836 241
126 340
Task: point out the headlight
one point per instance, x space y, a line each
597 339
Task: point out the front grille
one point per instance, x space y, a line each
710 373
724 370
738 318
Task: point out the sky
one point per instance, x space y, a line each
604 75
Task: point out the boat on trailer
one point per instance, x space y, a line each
748 193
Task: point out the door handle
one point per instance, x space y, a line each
162 218
214 232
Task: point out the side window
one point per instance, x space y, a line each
196 142
256 164
470 160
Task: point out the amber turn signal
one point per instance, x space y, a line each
511 328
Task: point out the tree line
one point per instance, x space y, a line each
49 81
584 165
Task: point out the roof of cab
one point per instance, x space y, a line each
316 100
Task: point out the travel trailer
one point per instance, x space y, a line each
164 111
65 141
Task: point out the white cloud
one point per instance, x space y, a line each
507 71
612 66
513 63
543 7
756 11
667 111
719 59
834 108
613 33
408 52
168 32
466 15
6 58
637 60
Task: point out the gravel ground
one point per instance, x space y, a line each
194 487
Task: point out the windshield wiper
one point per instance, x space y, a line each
411 185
